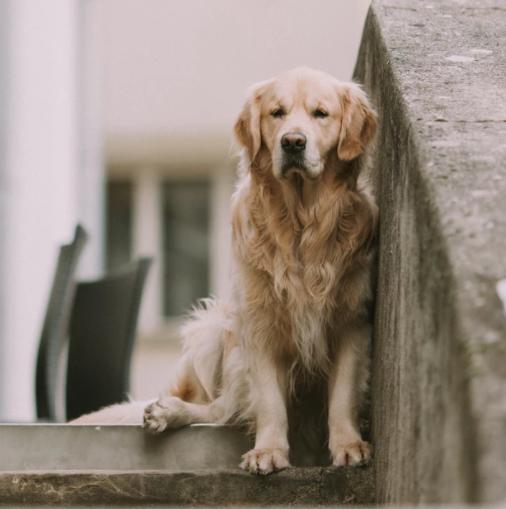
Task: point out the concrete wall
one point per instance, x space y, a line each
435 71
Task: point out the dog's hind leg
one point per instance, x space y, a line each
206 387
180 406
186 402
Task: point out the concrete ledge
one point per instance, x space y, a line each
293 486
50 447
436 71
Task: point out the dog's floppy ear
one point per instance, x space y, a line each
247 126
358 124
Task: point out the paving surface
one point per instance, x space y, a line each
437 72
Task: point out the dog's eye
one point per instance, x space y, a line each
278 113
320 113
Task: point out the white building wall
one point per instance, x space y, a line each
182 67
3 177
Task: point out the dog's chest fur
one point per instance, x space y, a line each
302 264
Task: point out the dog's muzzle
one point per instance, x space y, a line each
293 145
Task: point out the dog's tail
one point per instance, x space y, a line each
212 368
205 336
123 413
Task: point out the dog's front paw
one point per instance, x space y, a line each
265 461
352 453
165 413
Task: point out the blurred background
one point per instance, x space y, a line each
118 114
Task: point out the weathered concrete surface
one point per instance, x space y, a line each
210 488
437 72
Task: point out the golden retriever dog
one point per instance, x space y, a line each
303 236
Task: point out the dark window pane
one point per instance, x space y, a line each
186 244
119 223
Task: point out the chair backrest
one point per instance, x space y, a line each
101 337
54 329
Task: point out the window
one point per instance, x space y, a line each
186 206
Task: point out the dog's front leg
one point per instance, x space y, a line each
268 386
347 383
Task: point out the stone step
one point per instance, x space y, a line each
308 486
87 465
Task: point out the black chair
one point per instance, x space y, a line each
53 335
101 337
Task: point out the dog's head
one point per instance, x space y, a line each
304 118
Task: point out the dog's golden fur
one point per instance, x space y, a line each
303 234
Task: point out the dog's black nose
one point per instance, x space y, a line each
293 142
